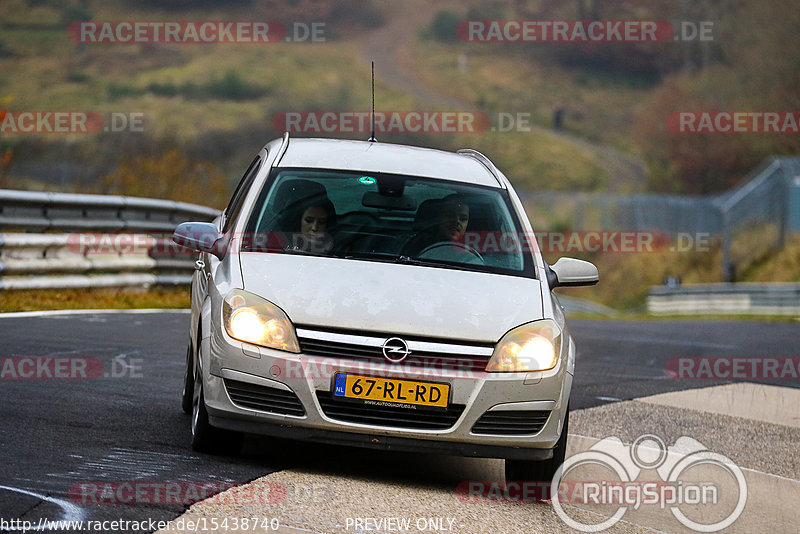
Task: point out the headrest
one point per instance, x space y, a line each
294 192
427 214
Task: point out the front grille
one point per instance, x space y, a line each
507 422
263 398
420 418
351 350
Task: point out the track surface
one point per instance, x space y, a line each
55 433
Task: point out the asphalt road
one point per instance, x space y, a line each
126 425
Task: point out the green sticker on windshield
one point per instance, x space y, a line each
367 180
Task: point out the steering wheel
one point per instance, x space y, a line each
453 244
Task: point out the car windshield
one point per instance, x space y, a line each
389 218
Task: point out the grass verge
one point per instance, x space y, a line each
93 299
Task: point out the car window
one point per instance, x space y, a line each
235 205
387 217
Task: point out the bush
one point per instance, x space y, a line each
170 175
229 87
78 77
162 89
5 51
74 13
121 90
232 87
444 26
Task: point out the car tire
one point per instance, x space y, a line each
206 438
188 382
540 470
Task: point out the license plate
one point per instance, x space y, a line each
370 388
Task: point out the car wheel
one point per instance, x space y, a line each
188 382
206 438
542 470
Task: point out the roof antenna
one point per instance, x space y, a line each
372 117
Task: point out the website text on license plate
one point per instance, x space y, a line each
391 390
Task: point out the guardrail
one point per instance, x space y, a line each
726 299
578 306
34 256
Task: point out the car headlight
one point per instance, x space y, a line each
534 346
250 318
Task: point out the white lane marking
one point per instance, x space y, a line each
608 399
592 512
72 512
47 313
656 341
122 463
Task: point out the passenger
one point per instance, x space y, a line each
311 224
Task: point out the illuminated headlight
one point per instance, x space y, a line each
534 346
250 318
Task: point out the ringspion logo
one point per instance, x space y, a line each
690 475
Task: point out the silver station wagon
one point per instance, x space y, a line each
382 296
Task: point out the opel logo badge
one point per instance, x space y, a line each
395 350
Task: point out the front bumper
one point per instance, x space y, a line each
309 377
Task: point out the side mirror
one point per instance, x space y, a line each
572 272
200 236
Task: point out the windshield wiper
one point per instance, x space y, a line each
303 252
377 256
408 260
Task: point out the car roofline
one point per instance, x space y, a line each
486 162
466 152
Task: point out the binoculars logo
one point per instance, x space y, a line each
674 489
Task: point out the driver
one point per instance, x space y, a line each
448 223
453 219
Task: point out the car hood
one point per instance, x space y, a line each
334 293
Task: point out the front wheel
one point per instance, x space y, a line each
540 470
188 382
206 438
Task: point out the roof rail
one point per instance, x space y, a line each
483 160
281 149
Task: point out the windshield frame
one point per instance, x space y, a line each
528 268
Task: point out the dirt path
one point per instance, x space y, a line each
390 47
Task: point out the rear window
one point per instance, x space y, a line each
388 217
